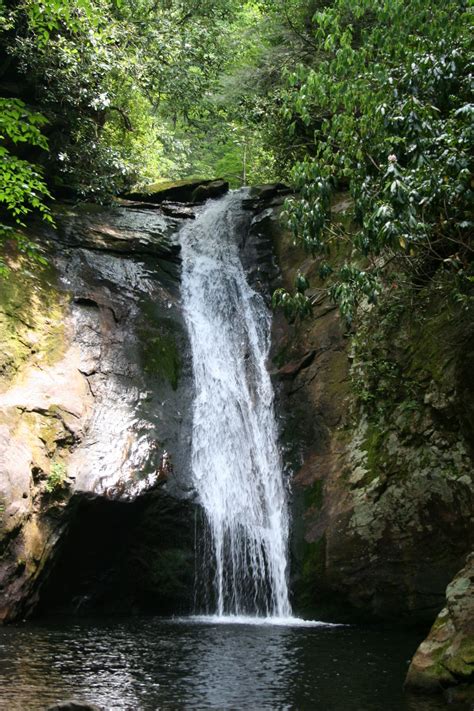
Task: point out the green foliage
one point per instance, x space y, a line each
56 478
20 125
46 17
222 133
382 104
370 96
68 56
114 93
127 89
297 305
23 188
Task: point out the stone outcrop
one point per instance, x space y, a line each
181 191
378 434
94 383
446 658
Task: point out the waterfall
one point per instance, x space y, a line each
236 467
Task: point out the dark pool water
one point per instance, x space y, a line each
150 663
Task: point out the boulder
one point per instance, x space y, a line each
446 658
264 196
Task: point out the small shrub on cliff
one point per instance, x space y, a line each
56 478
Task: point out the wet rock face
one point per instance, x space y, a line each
95 382
74 706
258 236
377 437
127 322
446 658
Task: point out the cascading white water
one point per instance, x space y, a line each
236 466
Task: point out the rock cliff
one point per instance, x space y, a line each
95 388
377 429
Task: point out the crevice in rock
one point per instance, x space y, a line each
85 301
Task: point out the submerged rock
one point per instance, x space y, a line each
265 196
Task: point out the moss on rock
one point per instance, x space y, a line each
312 572
32 310
159 348
313 495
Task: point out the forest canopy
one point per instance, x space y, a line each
370 97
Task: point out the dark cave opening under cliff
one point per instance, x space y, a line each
120 557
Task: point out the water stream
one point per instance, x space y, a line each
236 466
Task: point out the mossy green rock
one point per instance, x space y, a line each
446 657
31 316
193 191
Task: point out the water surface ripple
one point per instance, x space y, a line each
149 664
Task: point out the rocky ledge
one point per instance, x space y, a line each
182 191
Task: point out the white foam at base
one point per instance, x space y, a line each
259 621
